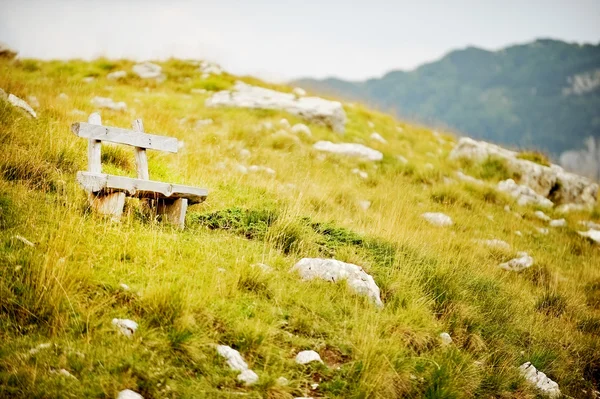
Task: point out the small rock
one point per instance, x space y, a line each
125 287
24 240
203 122
539 380
542 230
148 70
517 264
258 168
45 345
244 153
429 166
370 124
495 243
349 149
221 270
438 218
377 137
236 362
301 128
242 169
566 208
88 79
267 125
129 394
360 173
470 179
523 194
19 103
126 327
299 91
65 373
284 123
402 159
198 91
116 75
314 386
248 377
446 338
592 234
283 381
558 223
541 215
105 102
306 357
364 205
208 68
590 225
519 233
63 96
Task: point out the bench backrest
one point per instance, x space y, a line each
96 133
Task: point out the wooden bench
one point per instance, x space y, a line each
107 192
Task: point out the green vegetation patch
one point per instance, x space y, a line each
535 156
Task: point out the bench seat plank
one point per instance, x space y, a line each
124 136
102 183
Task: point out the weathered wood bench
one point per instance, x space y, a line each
107 192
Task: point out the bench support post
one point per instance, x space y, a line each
109 204
173 211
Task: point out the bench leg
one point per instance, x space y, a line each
173 211
109 204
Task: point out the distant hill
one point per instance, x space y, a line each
544 94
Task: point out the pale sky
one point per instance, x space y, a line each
283 39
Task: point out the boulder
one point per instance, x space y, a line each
19 103
438 218
236 362
148 70
108 103
125 326
335 270
314 109
349 149
306 357
517 264
551 182
7 52
523 194
539 380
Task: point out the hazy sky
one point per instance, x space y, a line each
281 39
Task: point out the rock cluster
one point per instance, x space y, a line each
148 70
349 149
108 103
523 194
314 109
236 362
540 380
551 182
334 270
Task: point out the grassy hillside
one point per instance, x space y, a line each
196 288
520 96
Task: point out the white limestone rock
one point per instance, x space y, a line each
116 75
301 128
590 225
361 173
566 208
402 159
315 109
539 380
300 92
517 264
335 270
438 218
198 91
125 326
469 179
542 216
551 181
523 194
259 168
45 345
148 70
592 234
494 243
446 338
244 153
210 68
88 79
349 149
19 103
248 377
129 394
542 230
282 381
377 137
558 223
284 123
306 357
108 103
364 205
236 362
200 123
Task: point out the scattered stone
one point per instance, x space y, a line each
551 182
148 70
590 225
236 362
592 234
284 123
364 205
519 233
116 75
542 230
210 68
335 270
242 169
244 153
129 394
438 218
314 386
446 338
517 264
539 380
200 123
282 381
258 168
66 373
33 101
7 52
299 91
318 110
221 270
301 128
125 287
267 125
105 102
126 327
349 149
494 243
541 215
45 345
402 159
24 240
306 357
88 79
19 103
558 223
362 174
469 179
523 194
377 137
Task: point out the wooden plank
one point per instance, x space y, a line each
173 211
141 158
94 147
124 136
100 182
111 204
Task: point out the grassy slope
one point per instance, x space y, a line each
66 290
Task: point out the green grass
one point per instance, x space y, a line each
199 287
534 156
